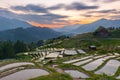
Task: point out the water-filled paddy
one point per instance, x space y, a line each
15 65
75 60
93 65
25 74
110 68
76 74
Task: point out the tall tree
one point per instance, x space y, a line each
7 50
20 47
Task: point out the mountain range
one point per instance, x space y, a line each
90 27
67 28
7 23
31 34
13 29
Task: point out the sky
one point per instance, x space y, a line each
59 13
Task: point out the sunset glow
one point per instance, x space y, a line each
46 25
59 13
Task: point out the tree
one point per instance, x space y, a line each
101 32
32 46
7 50
20 47
40 43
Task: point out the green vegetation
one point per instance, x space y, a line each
9 49
7 61
22 57
106 44
117 72
54 76
102 77
20 47
114 33
103 45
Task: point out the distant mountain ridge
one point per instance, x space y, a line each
7 23
67 28
92 26
13 29
30 34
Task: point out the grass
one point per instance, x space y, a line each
117 73
51 70
8 61
102 77
104 46
109 44
68 58
61 60
22 57
54 76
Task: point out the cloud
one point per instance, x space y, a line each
73 6
104 1
110 11
115 17
41 9
6 13
87 15
30 8
80 6
58 6
109 1
47 18
114 11
94 0
49 15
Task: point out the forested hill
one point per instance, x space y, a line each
31 34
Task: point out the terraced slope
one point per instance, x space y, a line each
78 67
97 64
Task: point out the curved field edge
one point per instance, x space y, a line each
54 76
104 63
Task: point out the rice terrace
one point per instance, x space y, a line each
59 40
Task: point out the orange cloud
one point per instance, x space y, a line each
55 25
87 21
61 24
82 21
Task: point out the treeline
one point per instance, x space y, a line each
60 38
8 49
113 28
